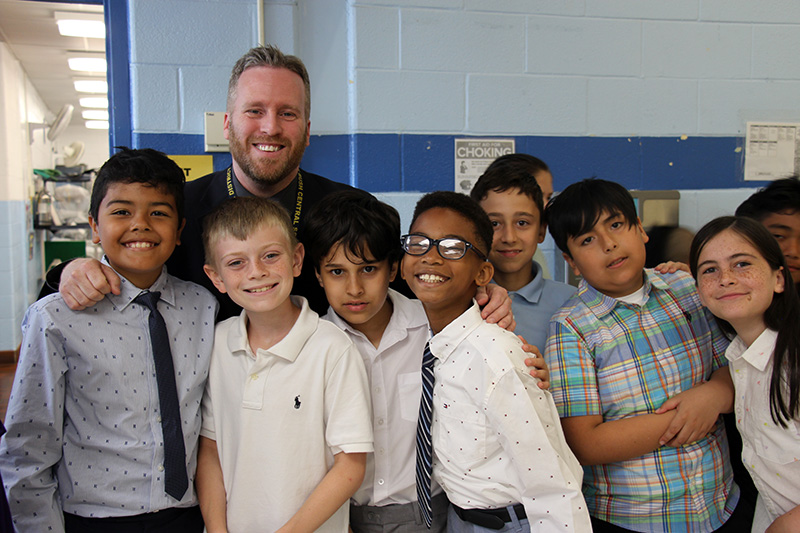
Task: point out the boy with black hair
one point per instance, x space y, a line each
354 247
497 448
511 196
777 207
286 418
630 340
104 415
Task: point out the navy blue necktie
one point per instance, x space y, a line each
175 480
424 448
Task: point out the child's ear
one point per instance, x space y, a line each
180 230
95 230
645 238
319 278
297 259
542 232
214 277
571 263
780 283
485 274
393 271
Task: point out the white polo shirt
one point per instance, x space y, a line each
280 415
394 372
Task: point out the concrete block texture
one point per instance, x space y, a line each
526 105
695 50
155 98
529 7
185 32
775 54
377 37
584 46
626 106
457 41
725 106
644 9
409 101
437 4
776 11
202 89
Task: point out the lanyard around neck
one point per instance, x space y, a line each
298 205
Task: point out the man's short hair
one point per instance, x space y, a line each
577 209
240 218
147 166
777 197
357 221
269 56
512 171
464 206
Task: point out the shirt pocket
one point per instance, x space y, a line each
776 444
409 388
459 434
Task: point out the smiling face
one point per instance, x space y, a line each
138 228
357 290
517 232
258 272
445 287
736 283
785 227
610 256
267 127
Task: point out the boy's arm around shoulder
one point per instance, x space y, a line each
525 420
575 390
32 446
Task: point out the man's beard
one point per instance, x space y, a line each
261 172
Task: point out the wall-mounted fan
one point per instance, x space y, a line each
73 153
56 127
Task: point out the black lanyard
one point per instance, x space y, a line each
298 205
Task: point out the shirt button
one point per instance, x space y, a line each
380 421
158 419
381 482
254 376
377 390
160 468
381 451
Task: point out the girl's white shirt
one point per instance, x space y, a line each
770 452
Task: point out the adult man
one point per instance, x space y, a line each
267 122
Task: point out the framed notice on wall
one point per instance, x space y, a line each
473 156
771 150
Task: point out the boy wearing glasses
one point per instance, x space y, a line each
497 446
352 242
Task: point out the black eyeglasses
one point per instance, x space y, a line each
449 248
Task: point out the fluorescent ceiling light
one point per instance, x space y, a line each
95 114
91 86
97 124
96 102
81 24
87 64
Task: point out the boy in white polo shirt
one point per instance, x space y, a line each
286 416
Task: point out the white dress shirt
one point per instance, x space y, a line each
394 373
497 438
770 452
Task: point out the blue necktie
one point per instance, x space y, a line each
175 480
424 448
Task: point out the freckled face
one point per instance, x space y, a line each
735 282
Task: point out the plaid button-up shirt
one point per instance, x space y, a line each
620 360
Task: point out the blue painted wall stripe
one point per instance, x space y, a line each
118 59
406 162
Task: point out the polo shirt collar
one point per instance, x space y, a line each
757 354
129 291
601 304
287 348
532 292
445 342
